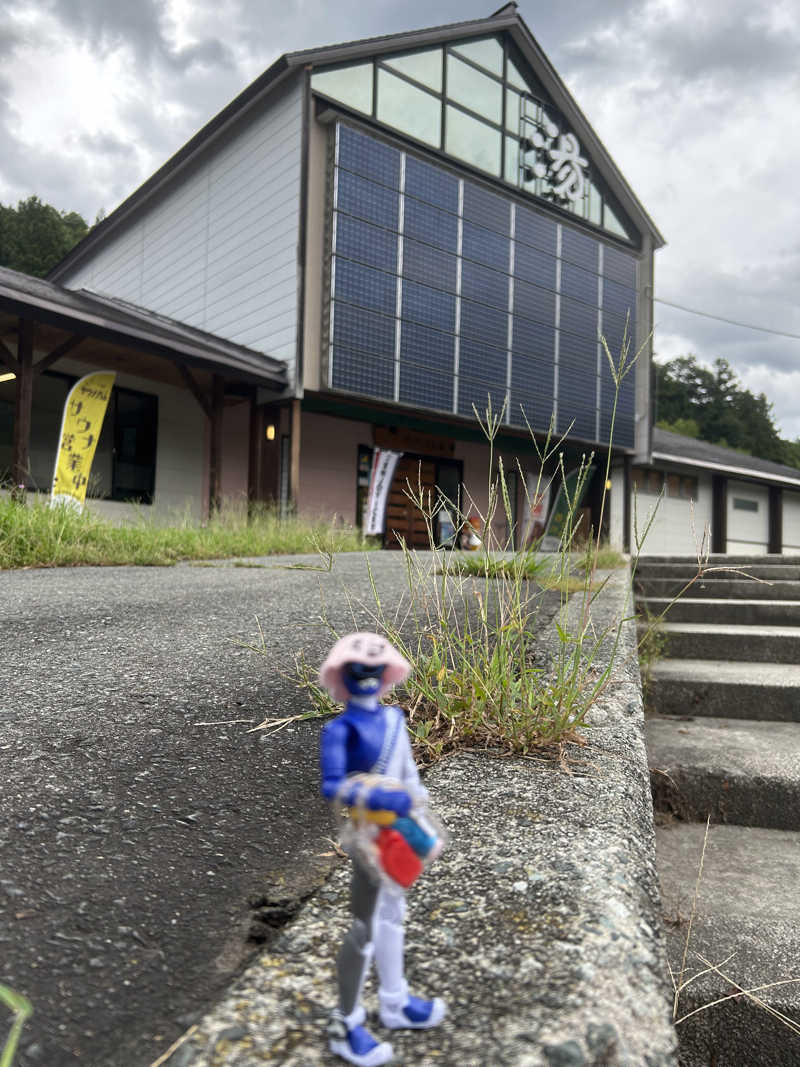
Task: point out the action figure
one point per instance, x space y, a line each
368 767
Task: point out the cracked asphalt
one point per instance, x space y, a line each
149 843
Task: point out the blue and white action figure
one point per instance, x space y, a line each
368 767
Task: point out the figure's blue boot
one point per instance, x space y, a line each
402 1011
353 1043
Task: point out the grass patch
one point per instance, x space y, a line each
40 536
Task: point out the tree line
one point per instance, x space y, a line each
712 405
34 236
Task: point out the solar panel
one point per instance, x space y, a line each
432 266
485 246
429 183
364 199
430 307
619 266
359 284
365 243
362 330
368 157
487 208
535 266
484 285
534 302
579 283
363 373
425 388
579 248
578 318
484 323
532 228
431 225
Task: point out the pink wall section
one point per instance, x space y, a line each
328 457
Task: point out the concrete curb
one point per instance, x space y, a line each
540 925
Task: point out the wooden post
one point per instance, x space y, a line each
294 468
20 455
719 513
215 444
627 489
775 519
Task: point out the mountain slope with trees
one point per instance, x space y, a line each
34 236
712 405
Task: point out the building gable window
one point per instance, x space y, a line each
477 102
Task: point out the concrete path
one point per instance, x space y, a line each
726 745
150 843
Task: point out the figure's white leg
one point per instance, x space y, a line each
398 1009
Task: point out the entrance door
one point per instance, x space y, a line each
403 517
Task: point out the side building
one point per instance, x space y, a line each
412 226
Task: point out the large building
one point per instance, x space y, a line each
362 247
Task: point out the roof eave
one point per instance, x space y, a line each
726 468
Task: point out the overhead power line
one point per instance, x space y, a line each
730 322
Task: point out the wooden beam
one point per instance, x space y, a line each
195 390
775 519
23 404
719 513
215 444
8 359
57 353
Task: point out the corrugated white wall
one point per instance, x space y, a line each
218 248
791 521
677 528
748 531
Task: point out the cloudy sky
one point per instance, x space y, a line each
696 102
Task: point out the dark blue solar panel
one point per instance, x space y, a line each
613 326
577 403
430 307
578 351
427 348
578 248
482 363
579 283
365 286
531 228
533 340
369 157
431 225
533 302
618 299
578 318
480 394
484 285
487 208
431 185
364 373
620 266
365 331
426 389
535 266
366 200
429 265
483 245
367 244
484 323
533 402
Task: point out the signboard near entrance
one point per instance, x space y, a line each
384 462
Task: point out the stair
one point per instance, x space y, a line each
724 743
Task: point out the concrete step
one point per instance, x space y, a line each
733 690
756 644
719 559
736 771
746 905
686 571
719 588
706 609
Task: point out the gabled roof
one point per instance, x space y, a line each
505 19
127 324
679 449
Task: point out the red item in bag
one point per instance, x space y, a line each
398 859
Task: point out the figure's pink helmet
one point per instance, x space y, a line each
362 648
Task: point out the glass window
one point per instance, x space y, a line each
351 85
612 223
473 141
595 207
474 90
487 52
409 109
512 110
512 161
513 77
425 67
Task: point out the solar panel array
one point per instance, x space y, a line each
444 293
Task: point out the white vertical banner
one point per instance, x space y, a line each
384 463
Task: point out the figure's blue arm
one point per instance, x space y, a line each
333 762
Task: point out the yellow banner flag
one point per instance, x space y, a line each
84 411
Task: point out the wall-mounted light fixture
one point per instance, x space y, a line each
6 377
271 432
